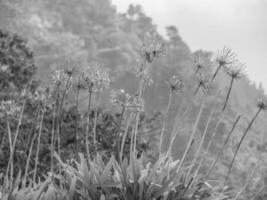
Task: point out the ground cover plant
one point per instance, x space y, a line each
114 156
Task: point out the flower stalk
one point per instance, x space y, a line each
261 106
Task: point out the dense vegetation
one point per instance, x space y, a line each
86 105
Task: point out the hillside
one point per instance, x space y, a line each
91 31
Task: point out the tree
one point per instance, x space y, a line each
17 66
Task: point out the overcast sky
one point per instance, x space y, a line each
213 24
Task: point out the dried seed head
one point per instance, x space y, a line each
236 70
175 84
262 104
226 57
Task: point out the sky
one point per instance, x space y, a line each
213 24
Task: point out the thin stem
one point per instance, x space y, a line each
60 112
200 145
244 134
38 146
258 193
213 134
28 159
136 131
164 121
198 166
10 162
247 182
174 130
223 146
32 139
192 136
228 93
216 73
32 130
63 96
141 90
197 89
125 136
10 147
95 119
76 120
52 140
119 129
88 122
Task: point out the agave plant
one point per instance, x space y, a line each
92 180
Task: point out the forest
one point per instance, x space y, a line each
96 104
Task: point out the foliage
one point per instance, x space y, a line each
16 62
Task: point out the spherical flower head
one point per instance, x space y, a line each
127 101
58 77
153 51
40 94
101 79
135 104
226 57
262 103
119 97
175 84
96 78
236 70
10 108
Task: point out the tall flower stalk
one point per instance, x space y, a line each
78 87
175 85
125 136
87 131
200 145
96 79
262 105
235 71
38 145
223 146
120 98
69 73
95 119
192 137
11 160
247 181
